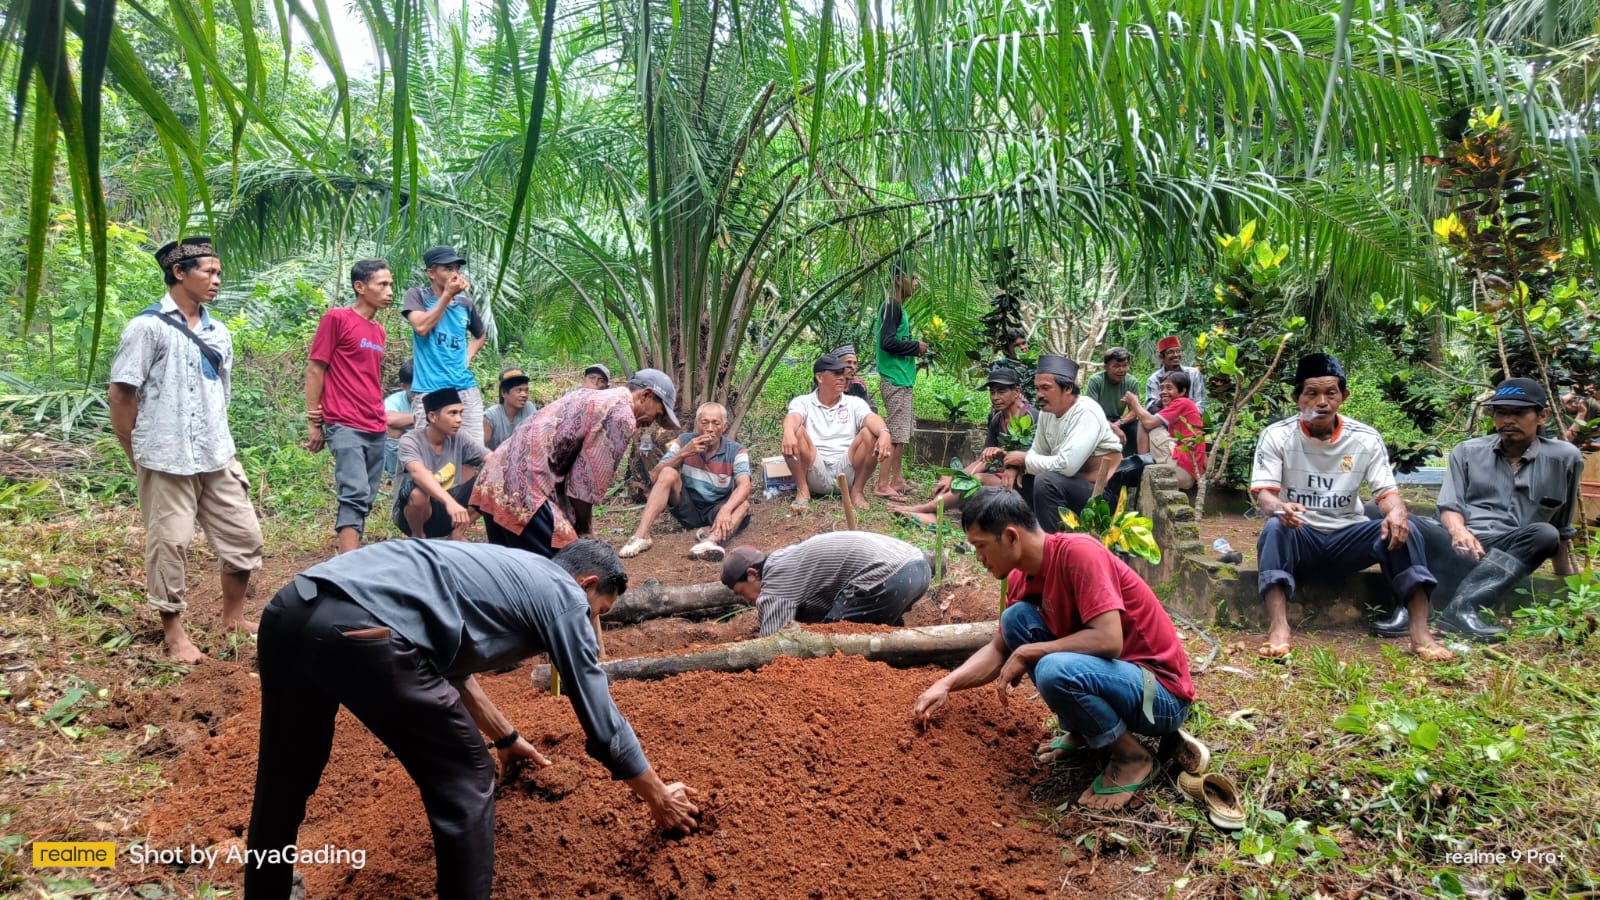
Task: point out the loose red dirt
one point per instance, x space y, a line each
813 782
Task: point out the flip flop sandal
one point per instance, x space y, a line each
1222 801
1193 756
1101 789
1192 786
799 505
1062 743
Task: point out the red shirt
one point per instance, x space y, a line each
1081 580
1184 421
352 388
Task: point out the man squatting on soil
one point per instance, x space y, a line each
1505 507
1307 479
851 576
1091 634
394 632
171 382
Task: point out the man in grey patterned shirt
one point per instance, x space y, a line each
171 381
854 576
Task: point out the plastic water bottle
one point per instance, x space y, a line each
1222 546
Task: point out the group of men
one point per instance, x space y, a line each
397 630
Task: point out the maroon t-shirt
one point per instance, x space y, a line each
352 389
1082 579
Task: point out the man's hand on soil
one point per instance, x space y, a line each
931 701
518 756
677 810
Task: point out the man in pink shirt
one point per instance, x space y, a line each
344 396
1100 649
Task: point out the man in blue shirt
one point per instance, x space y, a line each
446 334
394 632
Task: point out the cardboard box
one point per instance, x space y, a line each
776 477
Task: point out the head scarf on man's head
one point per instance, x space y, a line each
174 252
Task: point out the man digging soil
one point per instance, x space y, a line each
394 632
1100 649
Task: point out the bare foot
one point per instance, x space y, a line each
184 651
1123 776
1431 651
1277 645
244 625
859 501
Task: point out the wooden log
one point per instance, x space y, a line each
654 600
933 645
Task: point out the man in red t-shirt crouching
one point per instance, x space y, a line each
1099 647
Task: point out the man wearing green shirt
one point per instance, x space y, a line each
1107 388
897 371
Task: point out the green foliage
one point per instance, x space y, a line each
934 384
1571 619
1122 530
958 401
1018 434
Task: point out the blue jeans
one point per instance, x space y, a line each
1284 552
1095 698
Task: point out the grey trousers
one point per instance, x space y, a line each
471 414
357 471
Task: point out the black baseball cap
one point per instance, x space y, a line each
441 256
1521 392
1003 376
827 362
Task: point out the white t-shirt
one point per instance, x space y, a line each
831 428
1323 476
1065 443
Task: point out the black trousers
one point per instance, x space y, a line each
887 603
1051 492
536 538
308 670
1531 545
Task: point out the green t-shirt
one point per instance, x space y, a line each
895 365
1108 395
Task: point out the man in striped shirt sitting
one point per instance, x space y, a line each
853 576
704 478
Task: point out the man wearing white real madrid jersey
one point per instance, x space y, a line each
1307 479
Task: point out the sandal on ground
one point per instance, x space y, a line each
1192 786
1193 756
1222 801
707 551
634 547
799 504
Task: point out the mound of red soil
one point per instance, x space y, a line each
185 712
812 778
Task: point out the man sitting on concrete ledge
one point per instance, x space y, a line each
1101 651
1505 507
853 576
1074 452
704 478
1307 479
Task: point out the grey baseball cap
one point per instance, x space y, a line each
660 385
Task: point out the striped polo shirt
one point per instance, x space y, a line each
710 476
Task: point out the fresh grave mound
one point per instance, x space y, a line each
813 782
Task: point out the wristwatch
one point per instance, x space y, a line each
506 741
